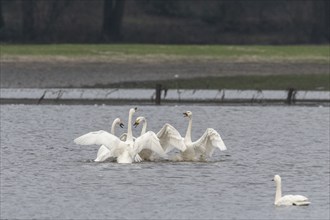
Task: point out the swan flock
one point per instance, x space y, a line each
150 145
153 146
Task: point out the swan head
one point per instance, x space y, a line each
132 110
118 122
277 179
138 121
187 114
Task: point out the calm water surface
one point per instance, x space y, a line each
44 175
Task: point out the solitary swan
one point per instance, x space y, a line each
297 200
168 136
104 153
204 146
125 151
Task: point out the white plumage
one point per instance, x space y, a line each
104 153
125 151
168 136
204 146
287 200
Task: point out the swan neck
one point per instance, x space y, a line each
113 128
188 133
129 127
278 193
144 128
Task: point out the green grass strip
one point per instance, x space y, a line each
274 82
309 52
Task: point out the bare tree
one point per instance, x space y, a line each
113 11
28 7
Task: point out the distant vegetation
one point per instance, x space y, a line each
160 52
165 21
188 53
274 82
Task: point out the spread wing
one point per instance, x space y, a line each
149 141
209 141
170 138
98 138
102 154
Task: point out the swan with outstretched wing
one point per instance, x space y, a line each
204 147
168 136
125 151
104 153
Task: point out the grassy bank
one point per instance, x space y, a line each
113 51
279 82
314 59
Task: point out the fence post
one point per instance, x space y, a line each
291 96
158 93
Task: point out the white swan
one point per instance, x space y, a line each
104 153
125 151
204 146
297 200
168 136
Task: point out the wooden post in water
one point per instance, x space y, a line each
158 93
291 96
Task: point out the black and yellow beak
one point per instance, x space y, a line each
121 125
136 124
185 114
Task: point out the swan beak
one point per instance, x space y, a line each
121 125
136 124
272 179
135 108
185 114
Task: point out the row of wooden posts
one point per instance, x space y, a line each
289 100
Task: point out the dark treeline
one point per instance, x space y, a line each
166 21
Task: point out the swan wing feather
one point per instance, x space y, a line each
150 141
102 154
170 138
98 138
293 200
118 150
209 141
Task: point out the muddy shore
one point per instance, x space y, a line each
64 73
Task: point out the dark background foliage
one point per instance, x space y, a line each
165 21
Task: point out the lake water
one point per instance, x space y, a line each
44 175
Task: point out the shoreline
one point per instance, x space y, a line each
91 74
122 65
172 96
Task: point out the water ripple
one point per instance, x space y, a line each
45 175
